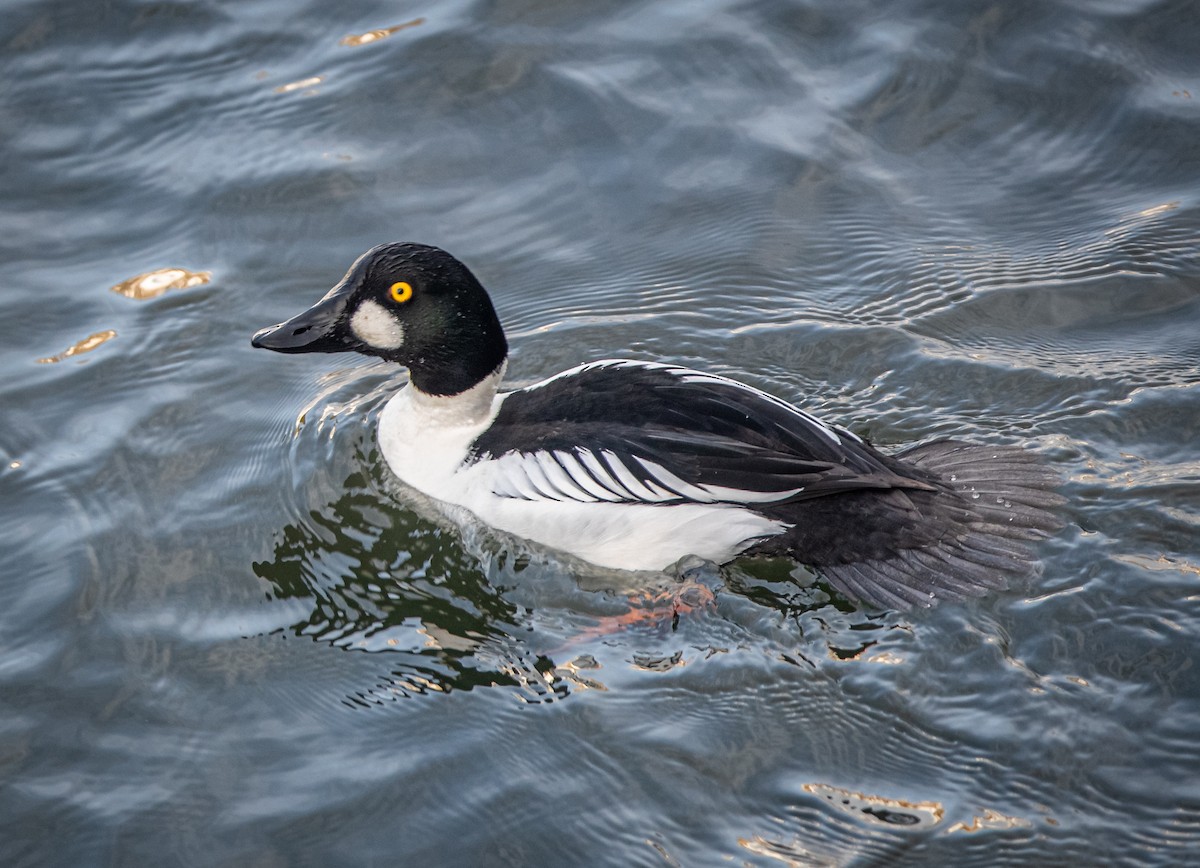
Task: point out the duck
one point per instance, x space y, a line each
638 465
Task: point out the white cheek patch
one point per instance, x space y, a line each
374 326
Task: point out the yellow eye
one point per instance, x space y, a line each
400 292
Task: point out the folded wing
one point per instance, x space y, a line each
638 432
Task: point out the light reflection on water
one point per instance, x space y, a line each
230 638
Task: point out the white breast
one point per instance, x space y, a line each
425 439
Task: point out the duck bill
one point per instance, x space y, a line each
320 329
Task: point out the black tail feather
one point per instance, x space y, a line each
913 548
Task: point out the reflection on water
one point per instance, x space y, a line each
79 347
310 82
994 820
152 284
379 579
370 36
877 809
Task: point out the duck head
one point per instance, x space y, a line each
408 303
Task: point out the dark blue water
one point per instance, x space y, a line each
230 639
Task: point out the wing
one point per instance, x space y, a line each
622 431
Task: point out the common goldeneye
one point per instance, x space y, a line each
633 465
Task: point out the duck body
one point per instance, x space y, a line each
580 485
633 465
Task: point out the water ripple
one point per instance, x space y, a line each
231 638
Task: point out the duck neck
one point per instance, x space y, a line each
465 349
469 407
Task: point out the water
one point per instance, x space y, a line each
230 640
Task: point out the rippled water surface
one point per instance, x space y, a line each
229 638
